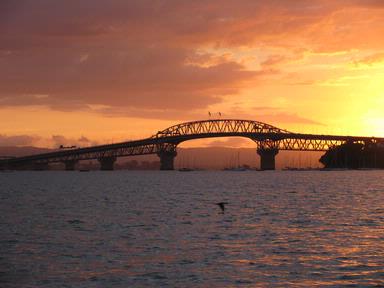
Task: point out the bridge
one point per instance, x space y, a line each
269 141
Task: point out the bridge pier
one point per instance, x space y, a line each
106 163
267 158
39 166
17 167
167 159
4 167
70 165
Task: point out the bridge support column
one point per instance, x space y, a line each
18 167
267 158
4 167
167 159
39 166
106 163
70 165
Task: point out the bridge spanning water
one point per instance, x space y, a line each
269 140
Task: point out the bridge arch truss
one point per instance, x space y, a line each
165 142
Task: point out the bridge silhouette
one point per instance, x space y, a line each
269 140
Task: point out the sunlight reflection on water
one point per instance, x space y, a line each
163 229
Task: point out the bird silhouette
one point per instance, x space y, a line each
222 206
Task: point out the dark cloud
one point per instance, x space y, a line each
18 140
83 139
154 77
54 141
58 140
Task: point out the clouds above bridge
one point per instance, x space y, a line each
54 141
178 59
18 140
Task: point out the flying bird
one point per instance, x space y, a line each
222 205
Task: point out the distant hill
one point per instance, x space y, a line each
22 151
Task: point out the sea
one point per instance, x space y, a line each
165 229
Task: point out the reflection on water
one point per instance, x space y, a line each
164 229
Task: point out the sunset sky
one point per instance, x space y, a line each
87 72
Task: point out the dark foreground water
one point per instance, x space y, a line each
163 229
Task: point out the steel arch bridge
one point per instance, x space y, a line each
269 140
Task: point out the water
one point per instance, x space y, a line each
163 229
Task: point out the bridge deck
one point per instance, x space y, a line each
293 141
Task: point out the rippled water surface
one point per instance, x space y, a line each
163 229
